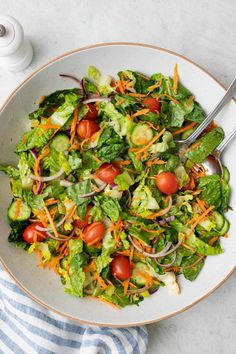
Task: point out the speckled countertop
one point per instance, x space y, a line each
203 30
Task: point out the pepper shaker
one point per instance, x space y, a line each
15 50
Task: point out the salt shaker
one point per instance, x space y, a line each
15 50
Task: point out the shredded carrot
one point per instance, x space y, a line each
100 280
73 126
170 97
44 153
188 247
145 148
131 254
151 125
17 211
176 78
91 266
49 126
189 100
151 231
126 286
201 203
123 163
194 146
156 85
124 253
184 129
213 240
197 192
155 162
139 95
50 201
51 221
200 219
132 285
120 101
119 85
141 112
95 158
106 301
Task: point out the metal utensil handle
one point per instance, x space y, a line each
225 142
228 95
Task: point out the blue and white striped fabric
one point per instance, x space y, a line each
26 327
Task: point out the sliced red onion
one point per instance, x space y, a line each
34 153
153 291
65 183
166 265
97 99
91 194
168 219
60 239
47 179
139 290
73 78
162 253
39 188
40 228
194 264
113 185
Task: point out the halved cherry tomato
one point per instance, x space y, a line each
167 182
92 112
82 223
94 233
152 104
86 128
107 172
120 267
31 234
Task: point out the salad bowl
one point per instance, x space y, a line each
42 285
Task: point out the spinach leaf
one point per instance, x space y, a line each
16 234
110 145
211 190
110 206
192 273
225 195
125 103
142 82
196 115
207 145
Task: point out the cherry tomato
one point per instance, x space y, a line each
92 112
86 128
152 104
31 234
107 172
94 233
167 182
120 267
82 223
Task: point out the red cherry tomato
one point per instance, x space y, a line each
94 233
107 172
31 234
120 267
92 112
167 182
152 104
86 128
82 223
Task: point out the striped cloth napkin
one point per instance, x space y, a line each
28 328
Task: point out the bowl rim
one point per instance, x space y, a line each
5 103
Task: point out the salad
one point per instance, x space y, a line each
101 194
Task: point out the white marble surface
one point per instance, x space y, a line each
203 30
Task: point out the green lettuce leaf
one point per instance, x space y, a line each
211 190
197 114
192 273
10 171
143 201
103 82
124 180
201 247
110 206
208 143
110 145
64 112
24 169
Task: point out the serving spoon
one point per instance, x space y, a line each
183 144
212 163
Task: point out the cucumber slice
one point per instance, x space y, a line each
225 228
141 134
226 174
218 219
136 278
19 211
61 142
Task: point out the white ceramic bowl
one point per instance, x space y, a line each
43 285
